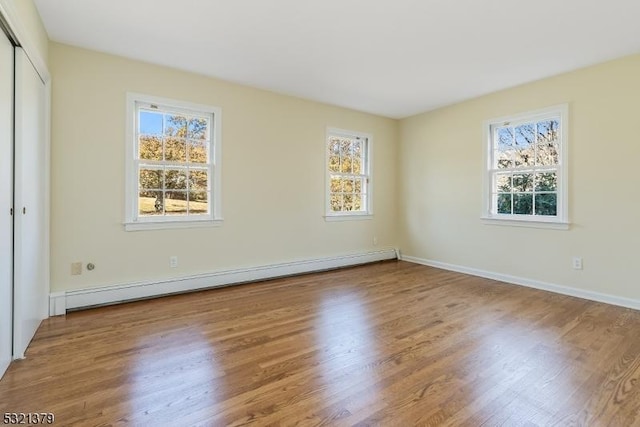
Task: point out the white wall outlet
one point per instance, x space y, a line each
576 263
375 241
76 268
173 261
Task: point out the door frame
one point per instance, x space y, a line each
6 217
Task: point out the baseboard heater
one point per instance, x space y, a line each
61 302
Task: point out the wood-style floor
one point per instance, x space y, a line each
390 344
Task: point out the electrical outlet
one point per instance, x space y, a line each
173 261
375 241
576 263
76 268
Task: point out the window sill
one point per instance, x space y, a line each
168 225
352 217
510 222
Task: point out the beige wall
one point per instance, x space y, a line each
272 185
429 165
440 176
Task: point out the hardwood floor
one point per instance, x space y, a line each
391 344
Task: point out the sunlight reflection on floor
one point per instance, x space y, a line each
344 328
164 380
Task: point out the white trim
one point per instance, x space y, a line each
46 238
10 15
131 291
346 216
6 201
528 116
530 283
131 220
562 218
167 225
513 222
57 303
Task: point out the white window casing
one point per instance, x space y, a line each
189 154
348 167
525 176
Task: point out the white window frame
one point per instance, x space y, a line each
561 219
135 222
367 169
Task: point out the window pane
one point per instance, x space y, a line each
523 204
198 180
503 183
175 150
358 185
348 202
334 164
334 147
523 182
525 136
175 126
336 184
198 203
547 154
336 202
150 178
525 157
198 128
546 204
357 202
548 131
150 123
197 151
347 185
504 159
150 203
175 202
150 148
546 181
345 164
356 147
504 139
345 147
504 203
357 165
175 179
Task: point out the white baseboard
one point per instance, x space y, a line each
62 301
559 289
57 304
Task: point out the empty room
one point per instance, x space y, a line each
371 213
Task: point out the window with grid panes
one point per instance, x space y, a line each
526 167
348 174
174 165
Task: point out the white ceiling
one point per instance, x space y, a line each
394 58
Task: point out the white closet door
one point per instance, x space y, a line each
30 248
6 201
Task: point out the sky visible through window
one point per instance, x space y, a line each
150 123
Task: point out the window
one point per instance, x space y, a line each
526 177
348 194
173 171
